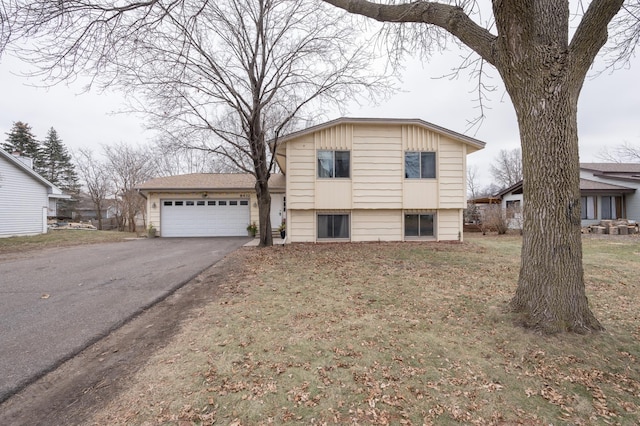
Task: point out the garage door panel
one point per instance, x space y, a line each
204 218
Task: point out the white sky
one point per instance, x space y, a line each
608 112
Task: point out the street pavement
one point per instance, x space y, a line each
56 302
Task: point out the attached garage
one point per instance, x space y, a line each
204 218
208 204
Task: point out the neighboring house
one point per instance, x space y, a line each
86 208
607 191
361 179
512 200
208 204
26 198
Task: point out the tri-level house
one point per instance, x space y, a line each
365 179
350 179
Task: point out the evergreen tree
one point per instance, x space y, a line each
21 139
56 161
58 169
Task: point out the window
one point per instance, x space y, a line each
222 203
420 165
168 203
587 208
190 203
200 203
418 225
244 202
334 164
211 203
179 203
612 207
513 208
333 226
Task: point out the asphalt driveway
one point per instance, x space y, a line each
56 302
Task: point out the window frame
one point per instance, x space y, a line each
332 233
420 166
419 225
333 166
584 207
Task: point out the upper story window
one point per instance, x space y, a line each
420 165
334 164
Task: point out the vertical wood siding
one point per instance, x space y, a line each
22 200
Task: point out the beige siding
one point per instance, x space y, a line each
376 225
333 194
377 191
421 194
449 225
377 162
419 139
301 173
338 137
451 174
301 226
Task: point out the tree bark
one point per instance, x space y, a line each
550 296
264 213
544 83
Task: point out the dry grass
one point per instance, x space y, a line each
60 238
394 334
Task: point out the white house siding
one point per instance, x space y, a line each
22 201
376 225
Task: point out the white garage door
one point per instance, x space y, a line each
204 218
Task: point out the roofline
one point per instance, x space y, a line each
509 189
616 176
12 159
353 120
219 189
620 189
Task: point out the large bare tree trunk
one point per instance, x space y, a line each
544 84
554 301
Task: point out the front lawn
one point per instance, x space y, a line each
412 333
60 238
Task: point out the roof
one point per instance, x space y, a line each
396 121
209 182
516 188
594 186
631 168
53 191
586 185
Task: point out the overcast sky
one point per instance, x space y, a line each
608 112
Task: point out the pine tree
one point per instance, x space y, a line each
21 139
58 169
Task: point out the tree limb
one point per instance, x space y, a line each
450 18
